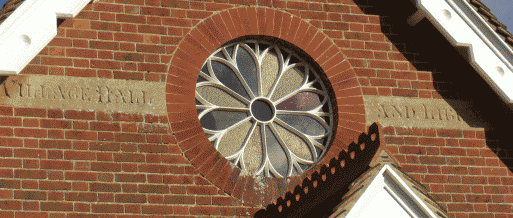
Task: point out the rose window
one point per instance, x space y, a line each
264 108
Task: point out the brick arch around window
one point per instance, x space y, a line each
202 41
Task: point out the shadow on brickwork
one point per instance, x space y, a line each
454 78
2 86
319 195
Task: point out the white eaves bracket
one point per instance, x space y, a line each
463 26
30 28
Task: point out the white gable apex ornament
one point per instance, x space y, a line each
388 195
30 28
490 55
386 191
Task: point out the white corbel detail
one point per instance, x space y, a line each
463 26
30 28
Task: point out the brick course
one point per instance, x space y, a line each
84 163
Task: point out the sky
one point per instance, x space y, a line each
502 9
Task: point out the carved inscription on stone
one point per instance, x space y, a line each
83 94
425 113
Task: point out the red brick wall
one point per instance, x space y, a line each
69 163
461 172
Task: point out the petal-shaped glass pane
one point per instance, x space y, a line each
220 55
270 69
226 76
290 81
303 167
304 124
201 79
204 69
297 145
218 97
247 67
253 154
229 49
276 153
232 141
219 120
303 101
199 111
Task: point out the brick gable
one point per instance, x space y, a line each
77 162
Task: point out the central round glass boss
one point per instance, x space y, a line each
262 109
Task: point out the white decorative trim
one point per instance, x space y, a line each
388 183
463 26
30 28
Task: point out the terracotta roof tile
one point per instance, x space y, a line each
496 25
8 8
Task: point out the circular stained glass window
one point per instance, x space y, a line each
264 108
